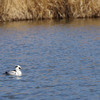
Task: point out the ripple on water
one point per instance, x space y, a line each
60 60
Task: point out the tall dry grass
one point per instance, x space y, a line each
47 9
84 8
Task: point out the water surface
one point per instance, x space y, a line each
60 60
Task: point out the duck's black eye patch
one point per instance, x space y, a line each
16 66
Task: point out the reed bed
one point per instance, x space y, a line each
11 10
84 8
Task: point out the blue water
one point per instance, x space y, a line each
60 60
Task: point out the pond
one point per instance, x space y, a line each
60 60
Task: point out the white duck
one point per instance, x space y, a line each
16 72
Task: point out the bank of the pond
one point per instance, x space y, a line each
11 10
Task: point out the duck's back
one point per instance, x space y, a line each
11 72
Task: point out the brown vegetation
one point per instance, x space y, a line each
47 9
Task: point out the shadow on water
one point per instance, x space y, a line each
60 59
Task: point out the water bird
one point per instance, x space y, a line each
16 72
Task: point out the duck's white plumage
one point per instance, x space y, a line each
16 72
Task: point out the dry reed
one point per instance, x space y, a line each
47 9
84 8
